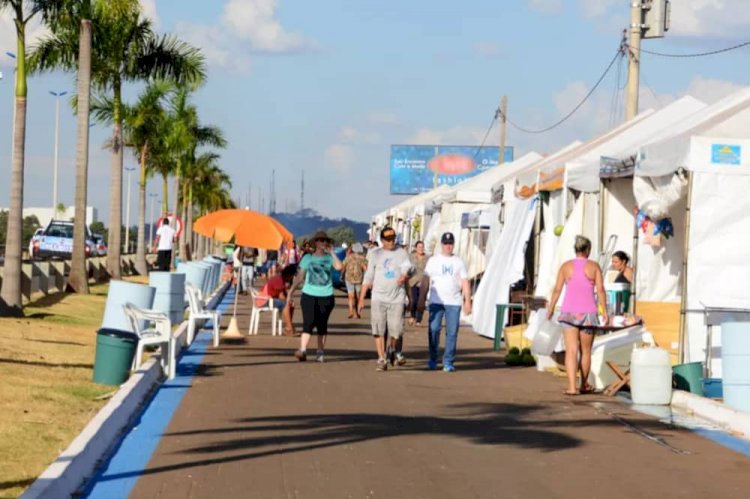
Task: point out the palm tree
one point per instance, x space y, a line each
205 171
181 145
10 295
212 192
141 124
125 48
69 12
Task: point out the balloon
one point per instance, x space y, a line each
559 230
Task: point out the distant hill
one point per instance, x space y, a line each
306 222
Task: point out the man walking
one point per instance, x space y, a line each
446 279
164 243
387 273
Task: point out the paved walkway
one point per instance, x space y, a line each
256 423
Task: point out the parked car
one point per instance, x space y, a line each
34 243
100 247
57 241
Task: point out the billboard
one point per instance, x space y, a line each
417 169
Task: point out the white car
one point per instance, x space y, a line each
34 244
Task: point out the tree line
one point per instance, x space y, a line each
106 45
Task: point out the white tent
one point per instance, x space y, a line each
714 146
582 174
474 196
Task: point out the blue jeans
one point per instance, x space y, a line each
452 315
416 314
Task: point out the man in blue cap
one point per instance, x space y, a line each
446 279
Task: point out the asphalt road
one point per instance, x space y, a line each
257 423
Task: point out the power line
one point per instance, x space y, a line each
565 118
487 134
698 54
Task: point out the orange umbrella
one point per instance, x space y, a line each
245 227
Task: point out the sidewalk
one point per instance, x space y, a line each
256 423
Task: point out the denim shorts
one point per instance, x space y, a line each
353 288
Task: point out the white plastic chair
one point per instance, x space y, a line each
157 331
197 312
276 326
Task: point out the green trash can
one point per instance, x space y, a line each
688 376
115 350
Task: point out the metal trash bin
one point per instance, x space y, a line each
115 350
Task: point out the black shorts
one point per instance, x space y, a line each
164 260
315 313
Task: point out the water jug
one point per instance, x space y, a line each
650 376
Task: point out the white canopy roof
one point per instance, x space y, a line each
697 141
583 172
405 208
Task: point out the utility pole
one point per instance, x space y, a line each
648 19
634 54
272 200
503 128
57 96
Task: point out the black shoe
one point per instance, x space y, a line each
301 355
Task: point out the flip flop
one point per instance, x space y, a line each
571 394
587 389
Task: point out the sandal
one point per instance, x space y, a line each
571 394
587 389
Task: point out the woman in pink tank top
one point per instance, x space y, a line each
580 277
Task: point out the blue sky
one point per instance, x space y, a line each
327 86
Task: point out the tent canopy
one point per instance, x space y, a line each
478 189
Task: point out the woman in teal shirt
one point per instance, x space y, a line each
316 271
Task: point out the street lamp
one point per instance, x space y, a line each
127 212
153 197
57 96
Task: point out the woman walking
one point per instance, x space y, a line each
355 266
580 277
418 261
316 271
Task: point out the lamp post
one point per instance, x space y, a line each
153 197
127 212
57 96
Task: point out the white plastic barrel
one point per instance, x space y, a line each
735 364
548 335
170 294
120 293
650 376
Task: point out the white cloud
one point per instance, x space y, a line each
351 135
340 158
245 27
598 8
710 90
457 135
149 11
546 6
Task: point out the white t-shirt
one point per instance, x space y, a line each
446 274
166 235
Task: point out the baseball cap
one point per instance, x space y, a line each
388 234
447 238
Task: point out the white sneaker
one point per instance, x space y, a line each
319 357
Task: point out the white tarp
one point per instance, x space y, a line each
583 172
553 216
505 267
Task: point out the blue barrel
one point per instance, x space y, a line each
217 267
170 294
212 277
120 293
196 273
735 364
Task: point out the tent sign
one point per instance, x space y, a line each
723 154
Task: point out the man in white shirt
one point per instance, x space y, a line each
446 278
164 243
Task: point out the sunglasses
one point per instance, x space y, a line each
388 238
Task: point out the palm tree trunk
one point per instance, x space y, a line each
115 195
189 223
10 296
164 195
78 280
176 211
183 233
140 252
10 300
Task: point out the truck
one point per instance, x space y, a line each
57 241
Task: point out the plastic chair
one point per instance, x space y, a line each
276 326
157 331
197 311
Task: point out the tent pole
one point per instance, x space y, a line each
684 290
634 284
602 208
537 242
